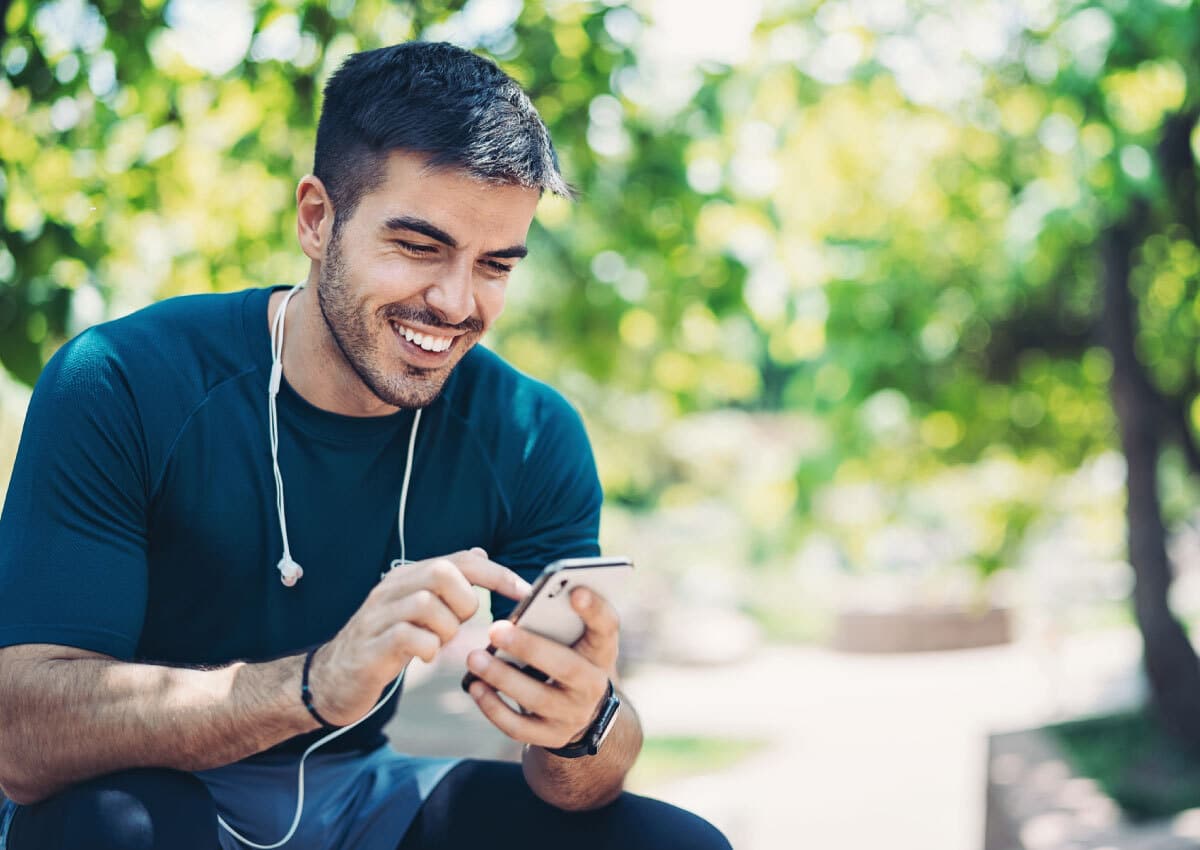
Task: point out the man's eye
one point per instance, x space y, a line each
499 268
414 248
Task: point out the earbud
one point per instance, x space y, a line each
290 572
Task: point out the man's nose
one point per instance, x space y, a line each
452 296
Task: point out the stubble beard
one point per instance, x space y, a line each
351 329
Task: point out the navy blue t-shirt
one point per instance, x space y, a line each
140 520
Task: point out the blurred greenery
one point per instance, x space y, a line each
831 302
1135 762
666 759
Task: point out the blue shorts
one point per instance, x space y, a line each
7 809
352 801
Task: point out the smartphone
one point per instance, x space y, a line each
547 609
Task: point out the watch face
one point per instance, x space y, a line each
604 732
608 719
594 737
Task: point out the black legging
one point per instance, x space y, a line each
488 804
477 804
145 809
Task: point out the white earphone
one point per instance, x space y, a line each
291 572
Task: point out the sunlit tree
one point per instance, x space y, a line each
950 233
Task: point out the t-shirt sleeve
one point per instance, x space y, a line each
556 507
73 530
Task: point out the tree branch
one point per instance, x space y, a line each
1178 413
1178 168
1176 163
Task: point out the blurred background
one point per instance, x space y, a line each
883 319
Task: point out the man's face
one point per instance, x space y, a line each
412 281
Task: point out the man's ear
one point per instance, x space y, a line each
314 217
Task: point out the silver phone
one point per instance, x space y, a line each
547 610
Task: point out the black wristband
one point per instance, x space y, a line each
594 735
306 692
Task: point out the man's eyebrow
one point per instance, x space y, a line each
425 228
420 225
516 252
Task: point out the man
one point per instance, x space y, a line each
174 638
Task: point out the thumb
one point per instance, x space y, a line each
602 627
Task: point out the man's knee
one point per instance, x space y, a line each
702 835
144 809
147 808
662 826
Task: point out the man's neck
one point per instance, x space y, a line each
314 365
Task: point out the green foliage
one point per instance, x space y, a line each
1135 762
666 759
833 223
1013 519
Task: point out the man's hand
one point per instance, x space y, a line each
560 712
412 613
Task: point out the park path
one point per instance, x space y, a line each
863 751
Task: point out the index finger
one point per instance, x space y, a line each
488 574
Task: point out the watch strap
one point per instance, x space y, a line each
594 736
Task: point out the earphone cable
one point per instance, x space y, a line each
277 329
412 442
300 775
277 333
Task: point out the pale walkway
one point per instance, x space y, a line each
866 751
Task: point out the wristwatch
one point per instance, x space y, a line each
590 743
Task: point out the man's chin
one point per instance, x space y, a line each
420 387
412 385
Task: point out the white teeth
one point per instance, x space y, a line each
429 342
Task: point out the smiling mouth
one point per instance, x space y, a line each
427 342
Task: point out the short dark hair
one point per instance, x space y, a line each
436 99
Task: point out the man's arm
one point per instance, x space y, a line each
67 714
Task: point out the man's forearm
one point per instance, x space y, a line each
65 720
592 781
